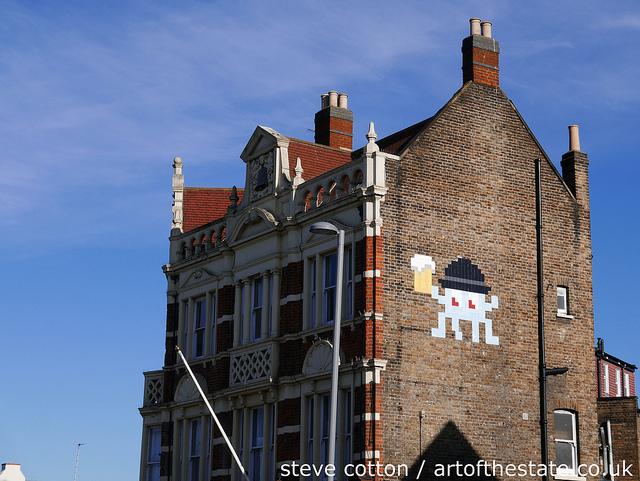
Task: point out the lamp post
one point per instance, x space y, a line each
326 228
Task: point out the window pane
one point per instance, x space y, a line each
256 310
195 437
213 325
312 300
257 426
564 426
329 294
330 270
564 455
349 284
200 313
562 299
257 422
194 450
154 445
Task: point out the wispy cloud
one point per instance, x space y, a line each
102 102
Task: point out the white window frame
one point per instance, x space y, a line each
329 286
572 443
272 443
310 429
618 383
321 286
154 448
562 294
213 326
195 449
313 292
347 427
185 322
605 380
257 304
240 444
348 295
199 327
254 438
270 306
627 386
243 293
256 443
316 430
325 414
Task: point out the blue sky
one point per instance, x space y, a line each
99 97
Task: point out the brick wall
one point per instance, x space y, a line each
465 187
623 415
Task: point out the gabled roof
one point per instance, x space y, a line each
202 205
316 159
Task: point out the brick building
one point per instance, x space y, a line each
618 413
616 378
439 348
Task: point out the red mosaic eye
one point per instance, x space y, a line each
453 301
471 304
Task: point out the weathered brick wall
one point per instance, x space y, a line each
466 188
623 415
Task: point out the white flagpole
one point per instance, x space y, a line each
215 418
77 457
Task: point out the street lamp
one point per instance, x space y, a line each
326 228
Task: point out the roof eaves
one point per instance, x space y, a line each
546 157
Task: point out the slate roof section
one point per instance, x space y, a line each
202 205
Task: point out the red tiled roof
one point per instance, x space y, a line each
316 159
202 205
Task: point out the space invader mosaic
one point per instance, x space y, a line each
464 296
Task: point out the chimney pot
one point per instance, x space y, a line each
475 26
574 138
342 101
480 55
334 122
333 98
486 29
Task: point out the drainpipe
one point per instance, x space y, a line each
541 352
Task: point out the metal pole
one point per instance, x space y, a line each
333 416
77 457
213 414
541 352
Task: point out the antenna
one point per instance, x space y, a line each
77 457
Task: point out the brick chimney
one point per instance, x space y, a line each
334 122
480 55
575 168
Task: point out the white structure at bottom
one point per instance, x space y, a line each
11 472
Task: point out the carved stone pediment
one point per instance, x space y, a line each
187 390
319 358
267 159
